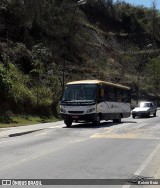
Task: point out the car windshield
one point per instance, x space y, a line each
80 93
143 104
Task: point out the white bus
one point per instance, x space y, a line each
93 101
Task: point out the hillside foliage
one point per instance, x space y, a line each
43 40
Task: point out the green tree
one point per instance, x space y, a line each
153 76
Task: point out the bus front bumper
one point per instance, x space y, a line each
86 117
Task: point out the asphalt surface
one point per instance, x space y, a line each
130 150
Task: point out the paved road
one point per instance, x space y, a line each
111 151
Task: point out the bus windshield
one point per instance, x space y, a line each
80 93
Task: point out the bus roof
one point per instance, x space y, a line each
97 82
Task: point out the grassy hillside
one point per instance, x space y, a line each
42 39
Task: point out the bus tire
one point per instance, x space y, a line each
97 121
154 114
148 115
68 123
133 116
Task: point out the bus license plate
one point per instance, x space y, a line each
75 117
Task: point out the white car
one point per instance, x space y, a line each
145 109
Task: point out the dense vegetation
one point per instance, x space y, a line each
42 39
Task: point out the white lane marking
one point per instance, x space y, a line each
147 161
5 141
143 165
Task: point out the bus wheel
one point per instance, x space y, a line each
117 120
68 123
148 115
97 121
133 116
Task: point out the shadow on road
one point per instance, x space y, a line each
144 117
129 122
102 125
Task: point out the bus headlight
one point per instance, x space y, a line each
90 110
62 110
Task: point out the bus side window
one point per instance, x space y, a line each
115 94
101 94
110 93
119 95
106 93
123 95
126 95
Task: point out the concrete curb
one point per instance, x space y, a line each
23 133
27 129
